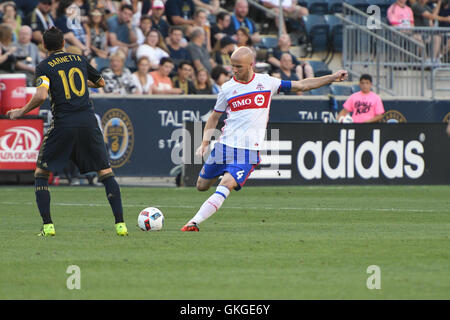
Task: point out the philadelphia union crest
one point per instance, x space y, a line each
118 133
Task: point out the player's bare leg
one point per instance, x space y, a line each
43 201
205 184
112 189
214 202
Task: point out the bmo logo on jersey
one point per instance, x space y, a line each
408 155
253 100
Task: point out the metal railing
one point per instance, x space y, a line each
400 60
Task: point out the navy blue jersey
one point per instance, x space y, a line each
65 75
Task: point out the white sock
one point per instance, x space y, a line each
211 205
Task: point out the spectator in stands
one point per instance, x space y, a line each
162 82
97 34
159 23
400 15
287 71
424 16
220 28
181 13
239 19
291 10
176 51
84 9
145 25
365 105
199 54
141 78
303 70
154 49
27 54
121 33
212 6
243 39
11 18
75 35
182 81
40 20
109 6
222 52
146 7
203 82
219 75
118 78
445 12
7 58
201 20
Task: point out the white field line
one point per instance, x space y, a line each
232 207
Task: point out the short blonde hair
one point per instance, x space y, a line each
118 54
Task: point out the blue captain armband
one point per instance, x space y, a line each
285 86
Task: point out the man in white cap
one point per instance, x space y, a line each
159 23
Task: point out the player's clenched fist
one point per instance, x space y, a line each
340 75
201 151
14 114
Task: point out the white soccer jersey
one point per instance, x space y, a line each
247 106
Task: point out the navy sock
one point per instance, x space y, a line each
43 199
113 194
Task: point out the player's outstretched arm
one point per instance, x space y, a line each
38 99
314 83
211 124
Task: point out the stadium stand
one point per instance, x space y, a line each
318 36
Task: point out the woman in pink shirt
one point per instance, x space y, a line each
400 15
366 106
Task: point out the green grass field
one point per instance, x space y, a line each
265 243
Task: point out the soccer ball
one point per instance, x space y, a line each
150 219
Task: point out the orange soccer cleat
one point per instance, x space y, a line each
190 226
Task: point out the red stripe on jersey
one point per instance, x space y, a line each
254 100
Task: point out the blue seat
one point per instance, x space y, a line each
322 91
336 32
359 4
317 30
268 42
317 6
341 90
318 66
335 6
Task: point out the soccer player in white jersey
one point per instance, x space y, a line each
246 100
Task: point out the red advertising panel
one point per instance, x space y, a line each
20 141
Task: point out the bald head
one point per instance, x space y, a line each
242 61
243 54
